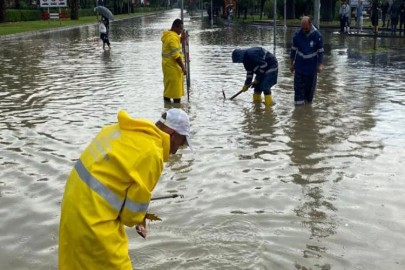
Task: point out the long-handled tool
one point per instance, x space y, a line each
167 197
237 94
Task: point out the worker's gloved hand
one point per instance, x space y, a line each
245 88
141 228
255 83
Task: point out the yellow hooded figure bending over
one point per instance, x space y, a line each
172 62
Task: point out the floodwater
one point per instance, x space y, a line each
313 187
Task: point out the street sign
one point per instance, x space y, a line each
53 3
354 3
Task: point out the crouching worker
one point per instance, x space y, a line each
264 65
110 186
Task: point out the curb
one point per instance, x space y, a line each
64 28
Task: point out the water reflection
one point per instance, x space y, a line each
258 125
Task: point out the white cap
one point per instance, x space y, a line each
177 120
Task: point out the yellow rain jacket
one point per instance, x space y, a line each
110 186
173 76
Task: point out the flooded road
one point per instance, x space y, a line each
312 187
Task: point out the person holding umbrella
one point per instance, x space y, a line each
104 27
106 16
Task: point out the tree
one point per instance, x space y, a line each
243 7
290 6
327 10
2 11
74 9
261 7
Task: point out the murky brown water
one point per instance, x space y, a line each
314 187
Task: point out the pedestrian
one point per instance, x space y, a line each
344 13
172 62
230 12
375 8
104 32
394 19
384 11
306 60
110 187
402 18
264 65
359 20
106 23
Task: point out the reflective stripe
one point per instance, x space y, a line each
249 76
98 187
135 207
167 55
320 50
307 56
175 50
264 53
115 135
300 102
293 48
101 149
271 70
254 70
264 65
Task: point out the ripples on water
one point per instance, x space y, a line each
314 187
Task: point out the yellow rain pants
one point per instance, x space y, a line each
173 76
110 186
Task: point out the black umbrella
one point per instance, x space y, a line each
103 11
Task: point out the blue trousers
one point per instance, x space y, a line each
304 88
268 81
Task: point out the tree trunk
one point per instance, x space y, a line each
74 10
327 10
308 7
245 17
17 4
290 9
2 11
262 7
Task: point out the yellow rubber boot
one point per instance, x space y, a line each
257 97
268 100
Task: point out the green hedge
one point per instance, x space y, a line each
85 12
15 15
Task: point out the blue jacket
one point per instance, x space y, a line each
307 50
256 60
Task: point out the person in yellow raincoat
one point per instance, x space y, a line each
110 186
172 62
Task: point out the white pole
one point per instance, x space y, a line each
274 22
212 14
285 14
182 7
316 13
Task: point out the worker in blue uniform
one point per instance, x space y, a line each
306 60
264 65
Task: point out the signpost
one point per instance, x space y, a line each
54 4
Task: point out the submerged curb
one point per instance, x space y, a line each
64 28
